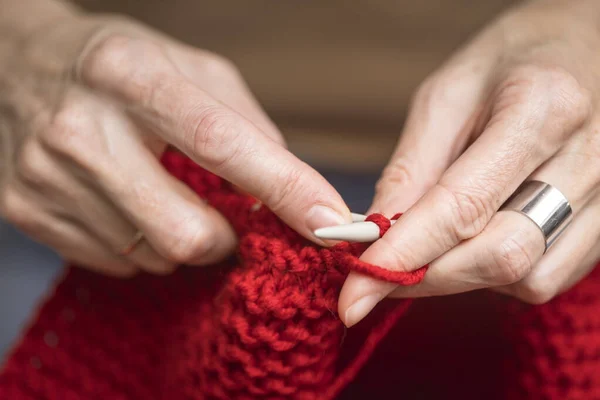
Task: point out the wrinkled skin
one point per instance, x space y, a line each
87 106
519 102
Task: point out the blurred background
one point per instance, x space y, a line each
335 75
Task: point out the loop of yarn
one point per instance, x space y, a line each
262 325
265 326
382 222
402 278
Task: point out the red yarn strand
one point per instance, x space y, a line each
264 325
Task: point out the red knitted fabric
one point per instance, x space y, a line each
263 325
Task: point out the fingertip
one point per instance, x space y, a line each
221 245
360 309
359 296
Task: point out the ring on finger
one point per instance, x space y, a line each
543 204
135 241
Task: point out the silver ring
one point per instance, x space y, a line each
543 204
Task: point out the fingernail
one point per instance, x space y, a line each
322 216
361 308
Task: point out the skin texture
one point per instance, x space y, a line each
519 102
88 103
87 106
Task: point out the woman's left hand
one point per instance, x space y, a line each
519 102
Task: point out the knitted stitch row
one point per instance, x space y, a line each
262 325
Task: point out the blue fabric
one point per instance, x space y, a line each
26 271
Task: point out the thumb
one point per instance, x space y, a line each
438 127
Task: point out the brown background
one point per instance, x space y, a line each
336 75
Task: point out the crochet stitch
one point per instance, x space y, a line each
263 325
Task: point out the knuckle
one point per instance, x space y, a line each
206 127
63 134
218 66
73 134
551 92
192 242
113 63
403 172
568 99
31 166
470 209
437 91
286 190
109 55
398 172
13 208
511 261
214 136
113 55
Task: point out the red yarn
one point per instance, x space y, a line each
381 221
399 277
264 325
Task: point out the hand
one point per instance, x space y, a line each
519 102
88 104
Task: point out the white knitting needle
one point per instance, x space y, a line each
358 231
358 217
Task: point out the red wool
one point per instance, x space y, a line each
263 325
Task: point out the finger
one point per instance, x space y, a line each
104 146
501 254
70 240
218 138
529 122
567 262
210 71
444 112
59 191
589 263
574 255
509 250
223 81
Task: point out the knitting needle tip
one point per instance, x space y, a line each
355 232
358 217
362 231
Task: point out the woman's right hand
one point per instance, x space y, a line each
87 106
